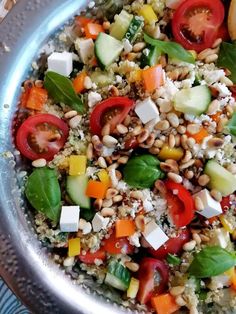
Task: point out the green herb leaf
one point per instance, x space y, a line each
142 171
211 261
173 259
172 49
43 192
232 125
227 57
60 88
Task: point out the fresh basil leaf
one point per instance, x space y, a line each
173 259
60 88
231 126
227 57
142 171
43 192
172 49
211 261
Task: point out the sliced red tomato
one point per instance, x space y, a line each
180 203
225 203
172 246
115 245
41 136
112 110
153 277
89 258
223 32
195 23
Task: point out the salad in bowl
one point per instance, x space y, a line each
129 126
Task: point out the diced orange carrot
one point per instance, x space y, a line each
233 280
96 189
82 21
153 78
164 304
38 96
216 117
125 228
78 82
199 136
92 30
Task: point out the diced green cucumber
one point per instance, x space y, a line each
134 29
220 178
121 25
76 187
118 276
102 78
150 56
193 100
107 49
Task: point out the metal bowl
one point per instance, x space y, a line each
24 265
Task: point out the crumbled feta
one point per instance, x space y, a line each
134 239
211 207
118 79
127 45
61 63
168 90
154 235
146 110
69 220
85 48
222 89
147 201
90 172
213 76
219 282
99 222
93 98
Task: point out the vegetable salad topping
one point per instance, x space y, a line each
130 129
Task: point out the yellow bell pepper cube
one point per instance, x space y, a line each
226 224
77 165
135 76
74 247
171 153
148 14
133 288
104 177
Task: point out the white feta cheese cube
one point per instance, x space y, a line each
146 110
85 48
154 235
211 207
61 63
69 220
99 222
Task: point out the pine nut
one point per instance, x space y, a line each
111 193
75 121
173 119
39 163
137 130
114 91
88 82
123 160
102 162
216 195
181 129
107 203
158 143
211 58
229 111
106 25
109 141
189 174
162 125
143 136
221 124
197 238
150 140
140 223
106 129
213 107
175 291
187 164
205 53
225 80
118 174
107 212
203 180
171 141
177 140
69 261
134 267
189 246
117 198
217 42
139 46
198 203
191 142
136 194
154 150
89 152
113 166
193 128
70 114
204 238
180 301
175 177
232 168
122 129
183 141
215 142
187 156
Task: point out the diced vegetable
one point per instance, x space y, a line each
37 98
170 153
133 288
220 178
193 100
102 78
92 30
164 304
107 49
77 165
173 260
76 187
96 189
82 21
134 29
118 276
148 14
199 136
153 78
121 25
74 247
135 76
124 228
104 177
78 82
228 226
150 56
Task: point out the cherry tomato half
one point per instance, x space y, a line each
180 203
172 246
195 23
112 110
41 136
89 258
115 245
153 277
